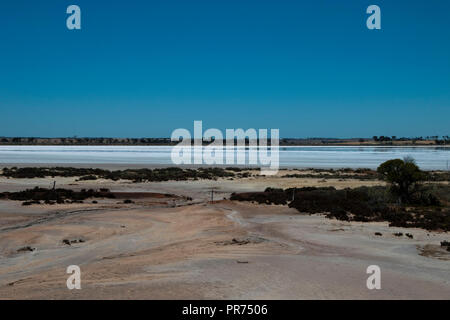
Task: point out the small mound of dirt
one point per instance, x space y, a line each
241 242
72 241
434 251
26 249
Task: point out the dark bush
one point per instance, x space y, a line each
403 176
89 177
52 196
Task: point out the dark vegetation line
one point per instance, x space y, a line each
179 174
364 204
136 175
52 196
406 202
61 196
362 174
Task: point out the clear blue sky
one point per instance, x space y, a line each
145 68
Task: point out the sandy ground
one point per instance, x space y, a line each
172 248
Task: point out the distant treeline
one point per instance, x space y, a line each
84 141
439 140
375 140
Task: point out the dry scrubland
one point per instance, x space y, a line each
155 234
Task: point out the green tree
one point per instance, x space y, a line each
403 176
